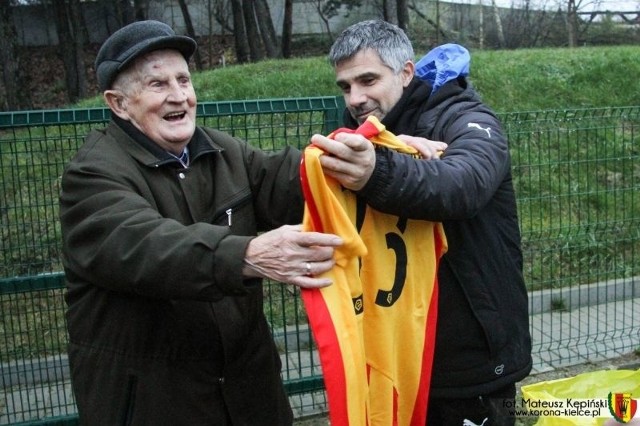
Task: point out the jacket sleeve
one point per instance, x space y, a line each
276 187
121 231
457 185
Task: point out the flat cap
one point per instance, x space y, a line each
134 40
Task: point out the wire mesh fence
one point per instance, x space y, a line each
576 174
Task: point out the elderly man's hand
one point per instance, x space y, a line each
350 158
291 256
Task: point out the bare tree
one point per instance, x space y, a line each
125 12
253 30
287 28
390 11
253 33
440 33
71 47
191 32
327 9
402 7
239 32
572 23
141 8
14 83
219 11
268 32
525 26
481 21
394 11
498 23
325 14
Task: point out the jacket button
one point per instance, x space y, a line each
181 175
221 380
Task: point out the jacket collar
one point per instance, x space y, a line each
403 117
149 153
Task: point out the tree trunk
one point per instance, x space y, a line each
438 30
287 28
220 11
481 21
571 23
498 22
253 33
403 14
107 9
268 32
126 13
390 11
210 32
239 32
70 48
319 5
190 31
14 83
435 24
141 9
80 36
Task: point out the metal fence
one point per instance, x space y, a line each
577 177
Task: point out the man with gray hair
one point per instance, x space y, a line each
483 344
163 262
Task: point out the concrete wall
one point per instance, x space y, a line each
36 27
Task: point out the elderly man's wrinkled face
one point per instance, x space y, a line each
156 96
369 86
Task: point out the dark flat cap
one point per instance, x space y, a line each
134 40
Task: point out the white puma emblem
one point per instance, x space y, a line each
467 422
477 126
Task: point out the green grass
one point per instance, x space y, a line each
576 188
508 80
574 225
576 180
535 79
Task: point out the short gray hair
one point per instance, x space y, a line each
388 40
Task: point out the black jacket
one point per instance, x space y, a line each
483 341
163 329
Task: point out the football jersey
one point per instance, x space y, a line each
374 327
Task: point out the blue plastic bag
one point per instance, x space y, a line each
442 64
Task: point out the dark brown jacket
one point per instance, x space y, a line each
163 329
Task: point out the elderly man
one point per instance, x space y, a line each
163 264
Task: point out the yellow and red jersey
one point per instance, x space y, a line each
375 326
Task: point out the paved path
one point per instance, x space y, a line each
586 334
560 338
